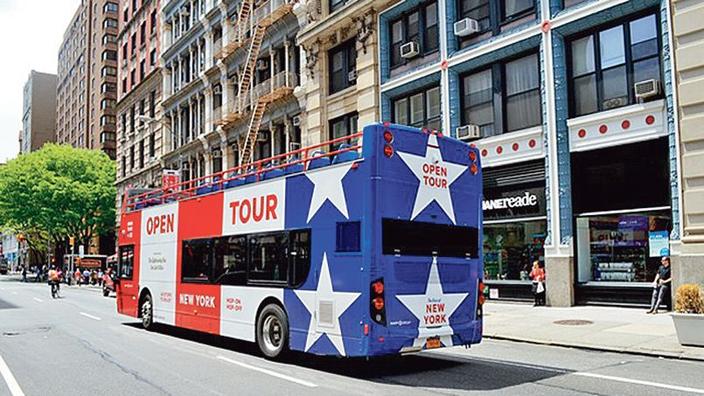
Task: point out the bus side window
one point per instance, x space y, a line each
267 257
126 262
230 261
348 237
299 256
196 266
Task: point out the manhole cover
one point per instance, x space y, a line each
573 322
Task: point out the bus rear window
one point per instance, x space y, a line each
414 238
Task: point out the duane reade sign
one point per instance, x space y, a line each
521 201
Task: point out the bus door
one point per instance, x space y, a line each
127 286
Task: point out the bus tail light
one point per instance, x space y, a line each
377 303
388 150
388 137
480 298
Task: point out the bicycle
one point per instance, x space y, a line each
54 289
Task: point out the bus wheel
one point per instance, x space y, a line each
272 331
147 311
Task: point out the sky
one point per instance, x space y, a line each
30 35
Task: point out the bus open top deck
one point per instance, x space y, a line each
365 245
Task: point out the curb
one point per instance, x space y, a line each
656 354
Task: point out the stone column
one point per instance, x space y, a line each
272 69
209 49
287 61
208 93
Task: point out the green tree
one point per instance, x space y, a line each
57 192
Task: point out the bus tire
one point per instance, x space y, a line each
146 311
272 331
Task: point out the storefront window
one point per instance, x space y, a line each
621 247
510 248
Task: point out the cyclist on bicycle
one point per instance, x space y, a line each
54 280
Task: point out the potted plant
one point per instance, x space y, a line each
689 315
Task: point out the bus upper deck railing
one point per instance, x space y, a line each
307 158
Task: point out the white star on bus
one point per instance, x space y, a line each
327 186
337 302
433 309
435 177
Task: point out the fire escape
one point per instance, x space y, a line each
280 86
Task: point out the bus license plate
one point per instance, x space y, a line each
433 342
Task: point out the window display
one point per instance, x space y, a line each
616 248
510 248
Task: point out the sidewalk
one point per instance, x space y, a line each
626 330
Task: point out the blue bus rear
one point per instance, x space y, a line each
424 242
397 235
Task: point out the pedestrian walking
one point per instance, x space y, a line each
537 274
100 277
24 273
86 276
77 276
661 284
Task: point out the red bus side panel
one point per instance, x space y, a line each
198 305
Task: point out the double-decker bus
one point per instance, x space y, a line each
361 246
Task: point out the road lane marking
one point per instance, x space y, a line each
10 380
38 299
90 316
269 372
639 382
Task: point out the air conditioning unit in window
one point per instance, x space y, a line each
217 90
352 76
467 132
409 50
296 120
647 89
466 27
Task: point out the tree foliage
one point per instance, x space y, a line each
60 191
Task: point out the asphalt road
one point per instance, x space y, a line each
79 345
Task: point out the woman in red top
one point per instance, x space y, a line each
537 274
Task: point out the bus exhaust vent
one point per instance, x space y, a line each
325 313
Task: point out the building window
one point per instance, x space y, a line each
336 5
343 126
494 16
110 7
133 77
141 154
132 158
107 120
152 22
142 67
152 104
152 58
107 87
134 43
342 63
124 166
607 63
503 98
421 109
110 23
152 146
107 103
109 55
419 25
108 71
143 33
109 38
124 85
132 117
